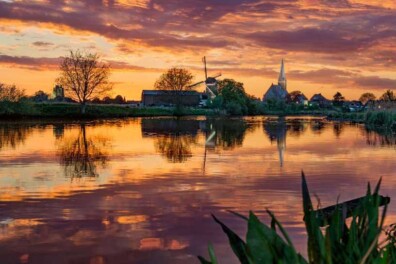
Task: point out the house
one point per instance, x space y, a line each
133 103
299 99
170 98
353 106
277 92
319 100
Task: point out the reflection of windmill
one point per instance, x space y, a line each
209 143
210 82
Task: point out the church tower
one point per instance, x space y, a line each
282 77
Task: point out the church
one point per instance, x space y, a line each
277 92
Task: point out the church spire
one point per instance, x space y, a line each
282 76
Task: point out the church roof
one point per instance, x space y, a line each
275 92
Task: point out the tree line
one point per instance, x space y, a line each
85 77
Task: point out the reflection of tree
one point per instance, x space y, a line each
175 147
296 127
317 126
230 133
81 155
337 128
383 139
11 135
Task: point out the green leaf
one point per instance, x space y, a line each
237 244
212 254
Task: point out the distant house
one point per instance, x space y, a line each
277 92
353 106
133 103
319 100
170 98
299 99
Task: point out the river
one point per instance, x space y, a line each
143 190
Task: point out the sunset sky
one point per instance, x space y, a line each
328 45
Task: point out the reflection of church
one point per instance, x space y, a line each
276 130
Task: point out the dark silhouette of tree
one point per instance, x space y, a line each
365 97
175 79
388 96
84 76
81 155
338 99
11 93
40 96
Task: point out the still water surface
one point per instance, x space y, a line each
142 190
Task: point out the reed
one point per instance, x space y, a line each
340 241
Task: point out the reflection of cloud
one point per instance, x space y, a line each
81 155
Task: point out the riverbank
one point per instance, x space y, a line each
28 110
23 110
384 120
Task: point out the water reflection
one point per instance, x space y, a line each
80 155
337 128
373 138
317 126
276 130
229 133
174 138
175 147
12 135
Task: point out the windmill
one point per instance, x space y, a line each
210 82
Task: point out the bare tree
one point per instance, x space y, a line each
84 76
10 93
175 79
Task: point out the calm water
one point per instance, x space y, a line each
142 190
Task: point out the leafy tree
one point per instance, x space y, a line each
365 97
84 76
175 79
233 96
11 93
338 99
388 96
292 95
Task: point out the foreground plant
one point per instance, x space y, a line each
337 242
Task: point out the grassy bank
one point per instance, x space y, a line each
29 110
372 119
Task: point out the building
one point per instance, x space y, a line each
170 98
278 92
299 99
58 91
353 106
319 100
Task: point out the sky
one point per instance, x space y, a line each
328 45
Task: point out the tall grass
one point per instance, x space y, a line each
355 241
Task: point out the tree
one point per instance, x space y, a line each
40 96
338 99
10 93
388 96
175 79
365 97
84 76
